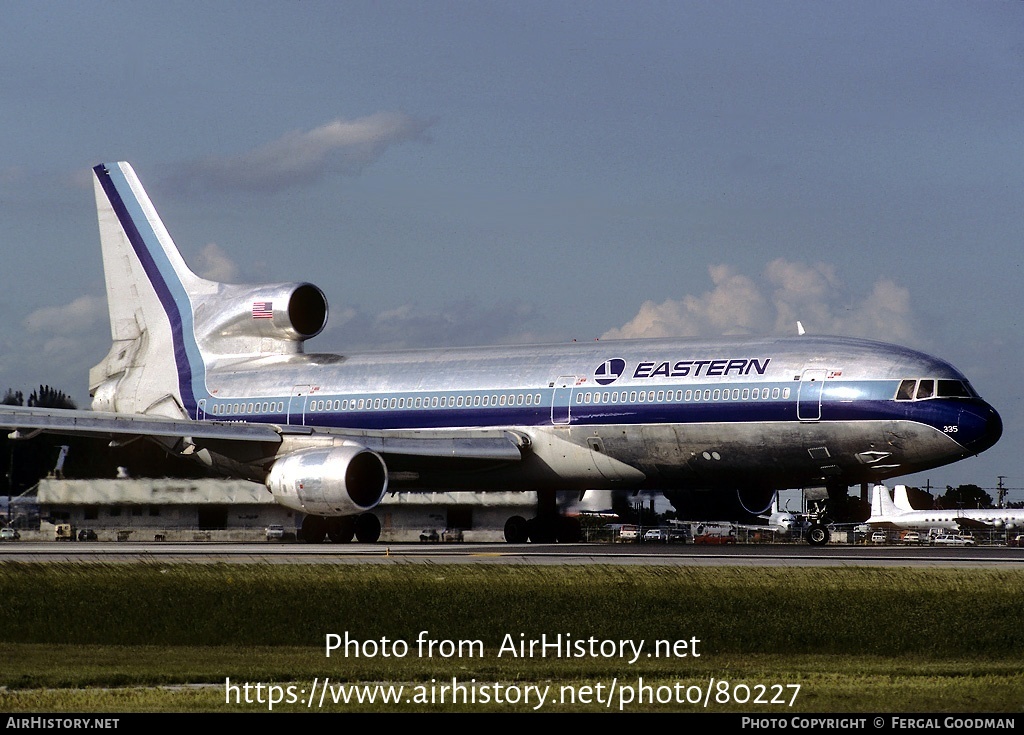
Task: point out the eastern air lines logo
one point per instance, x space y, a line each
609 371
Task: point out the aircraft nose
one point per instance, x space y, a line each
980 428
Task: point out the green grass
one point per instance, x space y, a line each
93 637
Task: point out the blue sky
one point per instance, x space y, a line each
460 173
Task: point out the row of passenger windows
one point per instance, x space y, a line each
457 401
237 408
918 390
377 404
516 399
679 396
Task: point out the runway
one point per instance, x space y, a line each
771 555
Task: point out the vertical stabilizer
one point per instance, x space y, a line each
900 498
881 504
154 359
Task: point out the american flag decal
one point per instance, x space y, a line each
262 309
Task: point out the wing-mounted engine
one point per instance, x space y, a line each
273 319
329 481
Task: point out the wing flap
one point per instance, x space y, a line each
481 444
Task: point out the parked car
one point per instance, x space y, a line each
87 534
949 539
9 534
656 534
910 537
1017 540
452 534
429 534
879 537
629 533
275 532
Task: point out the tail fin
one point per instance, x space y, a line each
881 504
900 498
168 325
155 360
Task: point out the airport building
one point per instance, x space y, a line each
237 510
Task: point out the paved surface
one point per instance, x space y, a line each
777 555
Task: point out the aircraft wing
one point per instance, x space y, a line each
973 524
481 444
73 422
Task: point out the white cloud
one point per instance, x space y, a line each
302 157
82 313
214 264
785 293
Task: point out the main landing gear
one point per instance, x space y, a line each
340 529
547 527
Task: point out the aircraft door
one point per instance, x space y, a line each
297 405
201 409
561 399
808 401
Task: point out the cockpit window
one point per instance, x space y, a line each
954 389
906 390
919 390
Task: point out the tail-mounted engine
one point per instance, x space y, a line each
330 481
240 320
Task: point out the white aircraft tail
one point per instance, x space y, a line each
882 505
168 324
900 498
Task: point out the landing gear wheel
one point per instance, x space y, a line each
367 528
818 534
340 529
570 531
313 530
516 530
541 530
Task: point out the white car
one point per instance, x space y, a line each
629 533
655 534
9 534
879 537
949 539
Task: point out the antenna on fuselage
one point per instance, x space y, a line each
800 329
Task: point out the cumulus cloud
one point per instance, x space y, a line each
214 264
302 157
786 292
81 314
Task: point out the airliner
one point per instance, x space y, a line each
219 372
885 513
781 521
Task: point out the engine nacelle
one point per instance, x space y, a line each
331 481
251 320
